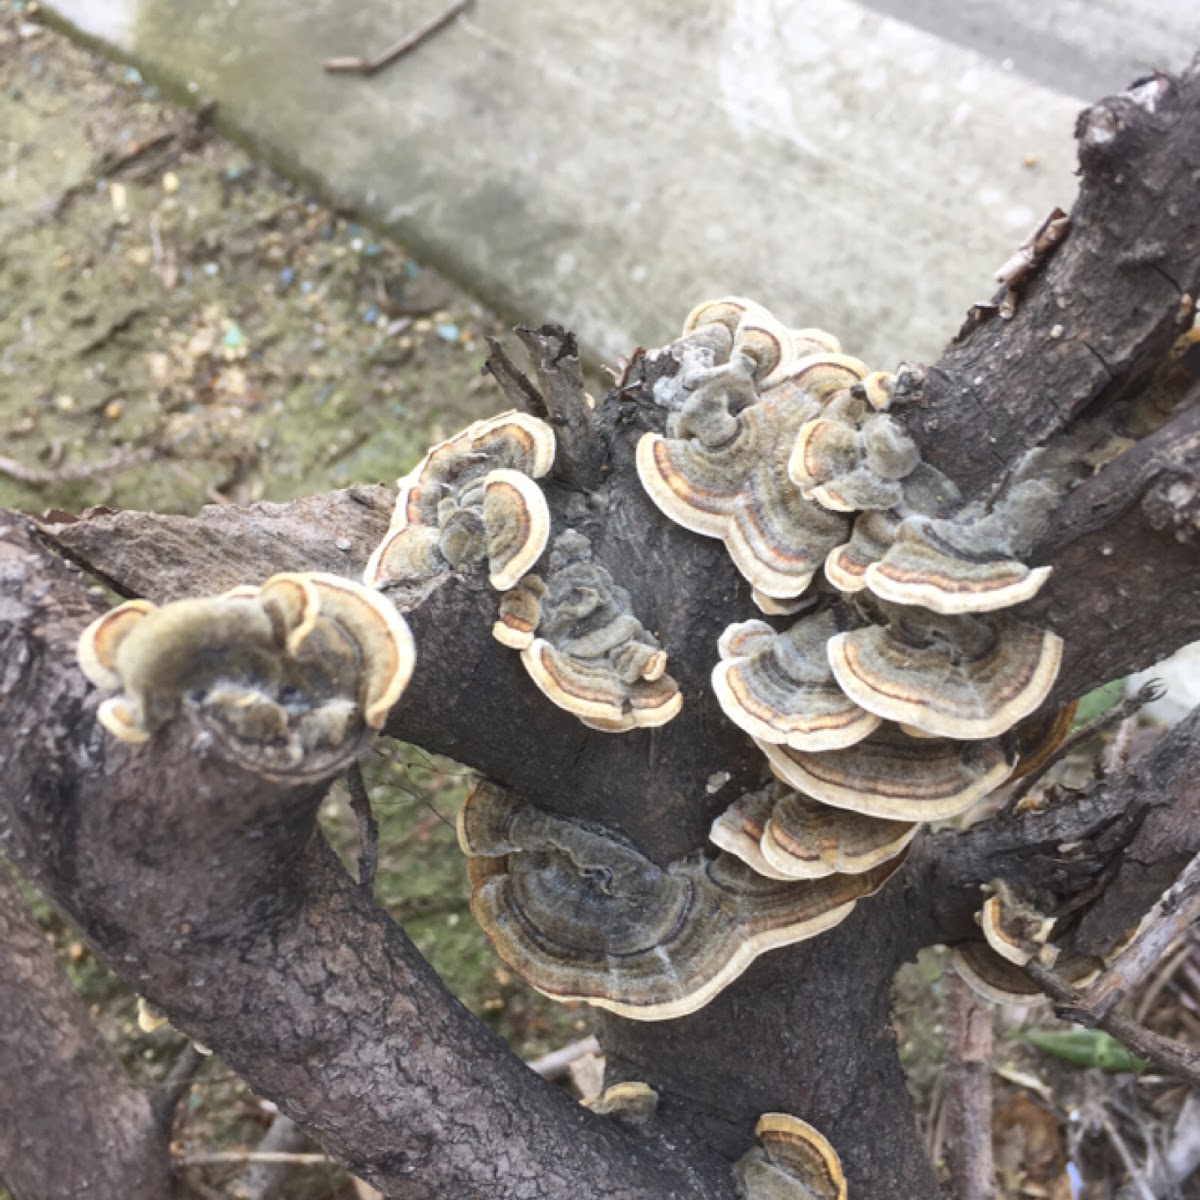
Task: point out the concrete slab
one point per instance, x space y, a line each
1086 47
608 165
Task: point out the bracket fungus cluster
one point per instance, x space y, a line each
470 500
583 646
580 914
889 698
289 675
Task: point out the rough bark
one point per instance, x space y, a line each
63 1087
232 914
212 891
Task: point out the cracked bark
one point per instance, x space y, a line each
63 1086
233 916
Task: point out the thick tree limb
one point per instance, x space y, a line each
63 1088
234 915
1104 310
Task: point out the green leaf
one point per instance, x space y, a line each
1098 702
1085 1048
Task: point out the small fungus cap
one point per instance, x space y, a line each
792 1161
517 521
805 839
99 642
780 687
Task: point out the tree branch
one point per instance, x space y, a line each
236 918
71 1122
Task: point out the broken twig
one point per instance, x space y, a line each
1166 1054
1128 707
371 66
123 460
1174 913
368 829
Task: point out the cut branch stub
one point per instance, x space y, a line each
288 677
579 914
791 1161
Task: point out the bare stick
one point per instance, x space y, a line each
254 1156
514 383
968 1101
178 1081
368 830
370 66
1174 913
554 1065
1126 1157
1128 707
578 461
1166 1054
123 460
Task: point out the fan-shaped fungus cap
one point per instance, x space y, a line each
738 491
997 979
895 777
520 612
992 977
517 521
739 829
631 1102
1012 927
804 839
781 689
581 915
295 666
593 657
946 567
386 651
99 642
951 676
594 691
514 440
792 1161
